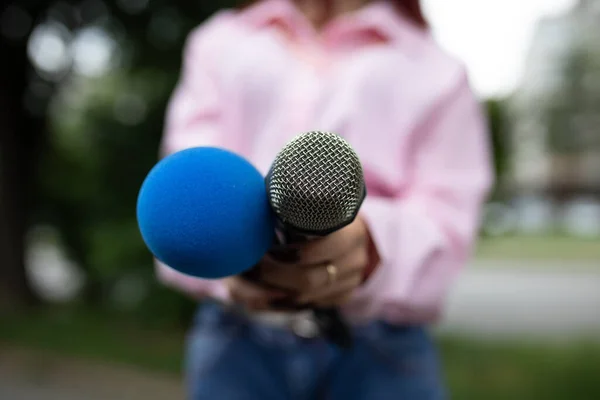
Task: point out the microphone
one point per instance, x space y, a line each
315 187
204 212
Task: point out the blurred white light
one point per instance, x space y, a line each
535 215
499 219
93 52
52 275
582 218
48 49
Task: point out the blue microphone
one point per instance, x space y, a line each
204 211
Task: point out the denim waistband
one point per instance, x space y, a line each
225 319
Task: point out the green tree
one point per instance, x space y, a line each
22 139
76 164
499 140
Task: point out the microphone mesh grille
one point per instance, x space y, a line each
316 182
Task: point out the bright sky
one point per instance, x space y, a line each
491 36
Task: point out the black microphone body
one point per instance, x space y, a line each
316 187
330 321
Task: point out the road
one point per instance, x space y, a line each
553 301
27 374
23 391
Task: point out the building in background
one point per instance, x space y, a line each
555 112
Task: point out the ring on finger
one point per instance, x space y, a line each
332 274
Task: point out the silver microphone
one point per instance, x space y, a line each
315 187
316 184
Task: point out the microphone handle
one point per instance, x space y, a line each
329 319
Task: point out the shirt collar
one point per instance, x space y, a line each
379 18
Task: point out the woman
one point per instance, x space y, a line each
370 71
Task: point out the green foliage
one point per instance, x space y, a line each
104 138
571 115
106 135
499 138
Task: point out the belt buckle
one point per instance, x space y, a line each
305 327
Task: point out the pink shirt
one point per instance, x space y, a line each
255 78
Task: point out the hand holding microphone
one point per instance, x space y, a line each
205 212
326 271
316 188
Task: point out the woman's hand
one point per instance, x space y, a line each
251 295
326 271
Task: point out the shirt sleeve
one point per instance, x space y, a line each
193 119
193 115
425 235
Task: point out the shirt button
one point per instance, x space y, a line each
305 328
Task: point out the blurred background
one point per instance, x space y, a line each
83 89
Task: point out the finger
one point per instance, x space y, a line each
352 262
251 295
330 247
355 263
335 300
308 278
293 277
330 291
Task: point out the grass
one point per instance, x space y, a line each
96 337
521 371
474 370
539 248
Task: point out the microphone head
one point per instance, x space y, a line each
316 184
204 212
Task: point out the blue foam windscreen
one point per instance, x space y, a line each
204 211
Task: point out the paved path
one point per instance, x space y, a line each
552 301
31 375
24 391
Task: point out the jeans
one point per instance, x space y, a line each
232 358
